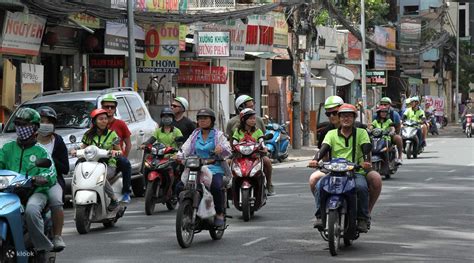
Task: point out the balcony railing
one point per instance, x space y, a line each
210 4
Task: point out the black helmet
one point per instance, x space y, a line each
46 111
206 112
166 111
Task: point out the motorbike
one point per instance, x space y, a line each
383 153
469 125
88 190
338 204
278 144
411 142
160 177
432 123
188 221
15 243
249 183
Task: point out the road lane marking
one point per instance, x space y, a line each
402 188
429 179
255 241
452 171
471 164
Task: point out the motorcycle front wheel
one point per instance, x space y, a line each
334 232
150 192
409 150
185 224
83 218
246 209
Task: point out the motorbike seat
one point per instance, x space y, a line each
114 178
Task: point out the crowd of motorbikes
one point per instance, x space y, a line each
244 184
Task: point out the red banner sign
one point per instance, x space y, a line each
202 75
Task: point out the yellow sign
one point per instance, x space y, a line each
86 20
280 37
160 5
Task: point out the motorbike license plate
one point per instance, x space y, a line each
192 176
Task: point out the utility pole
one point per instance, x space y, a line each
296 98
307 90
456 113
363 73
132 64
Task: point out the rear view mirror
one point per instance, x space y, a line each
266 116
287 122
43 163
268 136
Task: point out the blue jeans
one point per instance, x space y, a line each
216 191
34 221
362 191
124 166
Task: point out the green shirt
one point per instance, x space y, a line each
239 134
14 158
106 141
233 124
384 125
417 115
341 147
167 138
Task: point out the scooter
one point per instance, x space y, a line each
188 221
88 190
15 244
383 153
411 141
248 184
278 145
160 177
338 204
433 125
469 125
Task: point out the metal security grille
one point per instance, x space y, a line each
210 4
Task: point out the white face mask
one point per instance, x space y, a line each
46 129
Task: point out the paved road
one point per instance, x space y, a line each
424 214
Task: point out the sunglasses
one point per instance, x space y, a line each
175 106
110 107
331 113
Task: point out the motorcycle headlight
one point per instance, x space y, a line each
255 169
100 179
236 169
377 132
154 151
275 126
338 167
192 176
246 150
5 181
192 163
90 153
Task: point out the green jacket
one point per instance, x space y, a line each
106 142
167 138
239 135
14 158
385 125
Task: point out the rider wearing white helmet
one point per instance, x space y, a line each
179 105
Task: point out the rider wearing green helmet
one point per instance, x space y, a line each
20 156
109 103
386 102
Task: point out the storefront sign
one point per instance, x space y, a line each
436 104
183 31
32 78
161 49
22 34
280 38
104 61
260 33
86 20
242 65
238 33
116 39
202 75
213 44
160 5
376 78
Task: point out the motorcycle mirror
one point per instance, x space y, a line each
266 116
43 163
268 136
287 122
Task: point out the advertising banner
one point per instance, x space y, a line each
260 33
213 44
183 31
202 75
238 33
386 37
354 46
22 34
32 78
280 37
116 39
161 49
